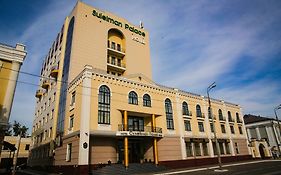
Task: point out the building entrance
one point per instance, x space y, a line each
135 150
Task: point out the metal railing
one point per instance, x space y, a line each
122 127
188 113
202 115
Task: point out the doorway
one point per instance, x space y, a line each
261 149
135 150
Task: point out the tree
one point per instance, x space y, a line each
19 129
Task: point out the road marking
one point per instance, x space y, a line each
214 167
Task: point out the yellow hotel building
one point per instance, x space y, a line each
98 103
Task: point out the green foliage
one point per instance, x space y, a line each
16 130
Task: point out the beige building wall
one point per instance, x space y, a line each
25 144
90 37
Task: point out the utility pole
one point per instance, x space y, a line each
17 154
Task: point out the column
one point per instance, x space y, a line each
232 151
84 141
126 153
9 97
211 149
155 150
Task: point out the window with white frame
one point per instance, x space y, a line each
72 102
201 126
71 120
187 125
68 152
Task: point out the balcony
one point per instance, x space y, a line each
201 115
210 118
221 118
119 67
187 113
116 51
230 120
54 71
46 84
132 130
239 121
39 94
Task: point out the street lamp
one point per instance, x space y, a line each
275 109
214 128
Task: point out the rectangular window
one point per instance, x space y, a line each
119 62
113 60
187 125
232 129
215 148
222 128
118 47
72 102
26 147
212 127
205 149
68 152
240 130
253 133
188 149
71 120
201 126
113 45
221 147
227 148
197 149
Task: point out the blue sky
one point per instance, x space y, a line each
193 43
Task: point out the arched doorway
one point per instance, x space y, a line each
261 149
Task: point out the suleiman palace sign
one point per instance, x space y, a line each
117 23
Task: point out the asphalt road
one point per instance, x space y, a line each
262 168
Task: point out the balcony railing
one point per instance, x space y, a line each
54 71
119 67
230 120
116 51
187 113
39 93
201 115
123 127
46 84
239 121
221 118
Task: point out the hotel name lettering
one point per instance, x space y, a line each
117 23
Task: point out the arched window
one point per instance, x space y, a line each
238 118
146 100
185 108
229 116
198 111
133 98
104 105
220 114
169 114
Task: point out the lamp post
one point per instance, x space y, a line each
278 144
214 128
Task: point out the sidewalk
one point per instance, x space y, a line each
35 172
